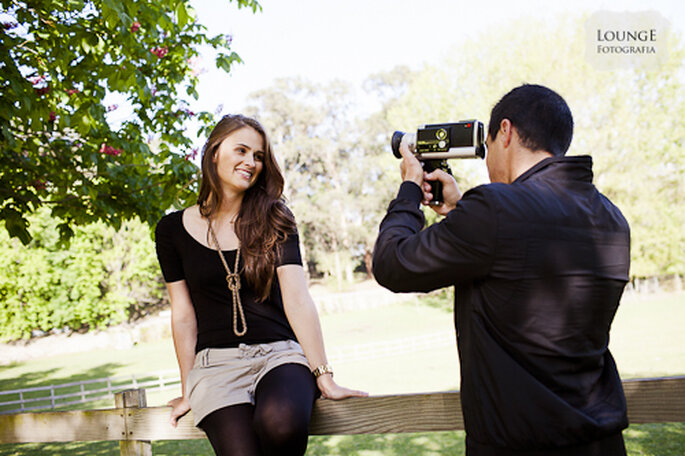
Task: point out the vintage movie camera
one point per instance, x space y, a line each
434 144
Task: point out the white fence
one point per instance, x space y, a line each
65 394
58 396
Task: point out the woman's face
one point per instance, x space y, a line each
239 159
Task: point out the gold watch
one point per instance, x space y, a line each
323 369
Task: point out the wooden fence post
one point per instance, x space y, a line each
132 399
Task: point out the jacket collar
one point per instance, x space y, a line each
577 167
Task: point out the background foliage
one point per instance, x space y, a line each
342 174
105 277
332 141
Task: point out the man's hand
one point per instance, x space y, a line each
450 191
410 167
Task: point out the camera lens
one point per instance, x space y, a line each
395 143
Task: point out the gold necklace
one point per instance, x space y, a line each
233 282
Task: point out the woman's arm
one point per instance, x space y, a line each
304 319
184 333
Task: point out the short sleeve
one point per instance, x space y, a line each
167 253
289 251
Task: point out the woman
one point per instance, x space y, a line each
245 329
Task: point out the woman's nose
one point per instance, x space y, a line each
249 160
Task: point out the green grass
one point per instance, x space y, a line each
641 440
88 365
647 341
647 337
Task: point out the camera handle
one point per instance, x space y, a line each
436 186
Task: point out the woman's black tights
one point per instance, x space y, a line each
278 423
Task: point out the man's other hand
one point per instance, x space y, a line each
450 191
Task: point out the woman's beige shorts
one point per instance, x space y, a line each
229 376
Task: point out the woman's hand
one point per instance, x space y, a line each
179 407
331 390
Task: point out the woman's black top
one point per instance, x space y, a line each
182 257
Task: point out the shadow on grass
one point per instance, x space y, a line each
435 443
184 447
27 380
641 440
61 449
47 377
162 448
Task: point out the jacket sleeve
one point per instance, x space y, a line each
459 248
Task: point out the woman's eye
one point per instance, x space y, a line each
259 157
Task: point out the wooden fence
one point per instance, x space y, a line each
135 425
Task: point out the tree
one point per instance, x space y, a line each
629 120
60 147
373 140
104 277
316 133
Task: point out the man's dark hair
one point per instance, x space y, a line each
541 117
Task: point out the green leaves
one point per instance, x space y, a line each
113 14
224 61
15 224
183 14
58 148
102 276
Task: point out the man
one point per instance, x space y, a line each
539 259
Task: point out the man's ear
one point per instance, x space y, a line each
506 130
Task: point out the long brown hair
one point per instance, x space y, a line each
263 221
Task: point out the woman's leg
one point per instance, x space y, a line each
283 407
231 432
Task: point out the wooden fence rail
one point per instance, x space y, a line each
135 425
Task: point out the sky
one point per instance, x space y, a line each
321 40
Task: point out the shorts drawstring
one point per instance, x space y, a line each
252 351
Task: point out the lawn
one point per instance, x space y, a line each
647 341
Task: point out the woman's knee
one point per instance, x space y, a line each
283 407
282 423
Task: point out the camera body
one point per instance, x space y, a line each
434 144
464 139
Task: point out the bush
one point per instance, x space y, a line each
103 277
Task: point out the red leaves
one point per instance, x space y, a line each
185 111
135 27
191 155
37 79
39 184
160 51
109 150
40 80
